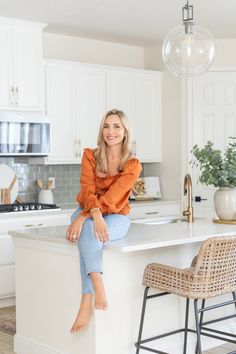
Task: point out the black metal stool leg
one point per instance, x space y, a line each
199 347
186 326
234 297
142 318
200 323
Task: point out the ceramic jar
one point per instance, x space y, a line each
46 196
225 203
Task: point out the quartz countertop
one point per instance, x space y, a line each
140 236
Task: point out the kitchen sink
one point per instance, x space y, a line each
162 222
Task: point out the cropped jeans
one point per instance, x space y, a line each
90 249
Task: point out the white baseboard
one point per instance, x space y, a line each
8 301
24 345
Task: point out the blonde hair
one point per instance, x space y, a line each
100 153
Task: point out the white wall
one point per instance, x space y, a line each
225 52
169 169
59 46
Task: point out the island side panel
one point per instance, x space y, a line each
48 292
118 327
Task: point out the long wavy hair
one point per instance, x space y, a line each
101 153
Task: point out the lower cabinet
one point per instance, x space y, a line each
7 259
153 210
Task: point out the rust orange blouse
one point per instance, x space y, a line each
109 193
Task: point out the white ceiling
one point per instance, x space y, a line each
140 22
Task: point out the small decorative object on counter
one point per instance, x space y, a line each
139 186
219 170
45 195
146 188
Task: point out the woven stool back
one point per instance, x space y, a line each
212 272
215 268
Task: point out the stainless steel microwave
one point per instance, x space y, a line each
24 135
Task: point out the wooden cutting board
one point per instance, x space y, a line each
8 185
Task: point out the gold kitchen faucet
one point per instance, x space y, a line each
188 191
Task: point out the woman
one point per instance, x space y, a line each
108 174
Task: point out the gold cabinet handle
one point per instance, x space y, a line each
134 147
16 96
77 144
12 95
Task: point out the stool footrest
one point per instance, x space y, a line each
139 344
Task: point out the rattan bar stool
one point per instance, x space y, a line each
212 273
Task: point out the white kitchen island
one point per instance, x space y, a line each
48 289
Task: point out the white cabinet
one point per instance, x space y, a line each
21 221
21 65
61 102
75 104
153 210
90 105
79 94
138 94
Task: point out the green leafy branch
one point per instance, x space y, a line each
216 168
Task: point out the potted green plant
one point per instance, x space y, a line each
218 169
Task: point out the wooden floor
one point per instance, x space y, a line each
6 346
6 343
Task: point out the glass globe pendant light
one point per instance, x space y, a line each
188 49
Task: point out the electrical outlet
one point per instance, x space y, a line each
53 182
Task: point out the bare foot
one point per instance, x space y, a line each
100 301
84 314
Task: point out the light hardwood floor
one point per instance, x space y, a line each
6 346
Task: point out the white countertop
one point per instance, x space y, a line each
140 236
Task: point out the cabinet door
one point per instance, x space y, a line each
28 69
61 104
139 96
146 117
6 93
118 95
90 105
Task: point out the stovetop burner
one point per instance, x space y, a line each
6 208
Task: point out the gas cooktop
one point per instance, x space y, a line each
8 208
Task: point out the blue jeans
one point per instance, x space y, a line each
90 249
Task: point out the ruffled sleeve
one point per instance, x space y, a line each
115 198
87 197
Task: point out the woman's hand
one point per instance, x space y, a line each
74 230
100 227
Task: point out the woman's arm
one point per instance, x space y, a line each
87 197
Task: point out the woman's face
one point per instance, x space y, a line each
113 130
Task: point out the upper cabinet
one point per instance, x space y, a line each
75 104
21 65
138 94
78 95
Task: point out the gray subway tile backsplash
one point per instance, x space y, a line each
67 177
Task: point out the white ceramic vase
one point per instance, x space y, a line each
46 196
225 203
